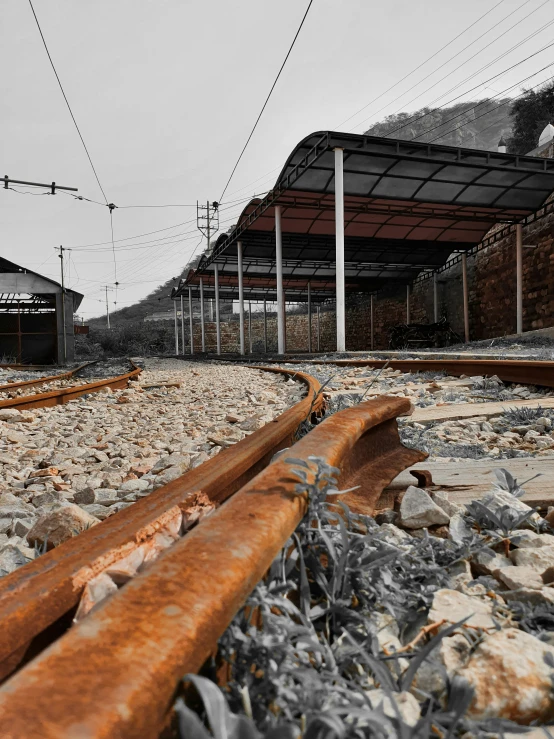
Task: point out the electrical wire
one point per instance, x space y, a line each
406 76
67 102
267 99
500 74
466 61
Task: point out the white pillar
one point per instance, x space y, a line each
280 295
249 327
182 328
309 317
372 333
202 320
211 309
408 306
466 297
191 322
241 297
217 318
176 329
339 236
435 298
519 278
318 327
265 326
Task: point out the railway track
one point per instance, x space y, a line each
65 394
115 672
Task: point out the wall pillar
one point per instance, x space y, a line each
280 296
466 297
191 323
202 318
217 317
519 278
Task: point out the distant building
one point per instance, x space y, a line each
545 148
33 311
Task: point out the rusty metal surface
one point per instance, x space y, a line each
522 371
36 595
115 673
43 380
64 395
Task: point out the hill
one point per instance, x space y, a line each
476 125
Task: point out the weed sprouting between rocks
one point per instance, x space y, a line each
305 657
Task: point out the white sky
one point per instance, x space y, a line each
166 91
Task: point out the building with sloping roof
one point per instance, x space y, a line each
36 317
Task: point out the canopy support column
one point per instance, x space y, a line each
339 236
176 328
408 301
435 298
202 319
182 327
191 323
371 325
265 326
250 327
318 328
241 296
519 278
280 295
309 317
217 317
466 297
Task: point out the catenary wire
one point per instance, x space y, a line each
267 99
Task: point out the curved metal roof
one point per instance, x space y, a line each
405 202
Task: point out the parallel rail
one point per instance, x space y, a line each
65 394
38 600
43 380
115 673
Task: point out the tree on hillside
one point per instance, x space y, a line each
530 114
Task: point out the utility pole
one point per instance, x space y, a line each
63 308
207 220
106 288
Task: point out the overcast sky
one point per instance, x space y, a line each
166 91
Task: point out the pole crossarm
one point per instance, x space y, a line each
52 185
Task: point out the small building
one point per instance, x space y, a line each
33 312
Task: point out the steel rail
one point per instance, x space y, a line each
115 673
43 380
37 601
526 372
65 394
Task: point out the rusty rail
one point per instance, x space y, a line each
37 601
115 673
43 380
526 372
65 394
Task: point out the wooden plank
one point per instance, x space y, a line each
450 412
465 483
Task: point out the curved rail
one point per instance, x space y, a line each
38 599
65 394
43 380
523 371
115 673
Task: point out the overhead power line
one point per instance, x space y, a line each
266 100
406 76
67 101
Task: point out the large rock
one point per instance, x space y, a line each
59 525
539 558
489 562
10 414
499 499
526 539
520 577
512 678
448 506
452 606
418 511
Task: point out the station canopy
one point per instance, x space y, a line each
407 205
